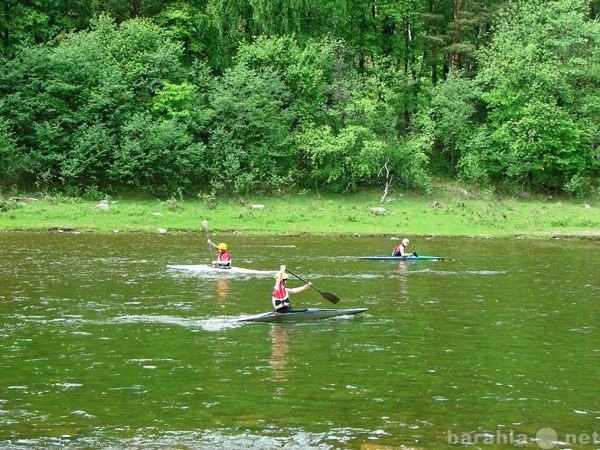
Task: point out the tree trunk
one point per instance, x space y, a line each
456 40
434 75
135 8
406 46
6 33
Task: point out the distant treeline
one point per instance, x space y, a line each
241 96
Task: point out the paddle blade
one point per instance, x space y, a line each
329 296
205 225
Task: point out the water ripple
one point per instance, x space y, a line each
212 324
226 439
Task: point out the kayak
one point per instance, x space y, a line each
301 315
208 268
403 258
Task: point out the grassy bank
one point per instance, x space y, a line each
445 212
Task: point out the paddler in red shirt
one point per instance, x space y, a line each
224 258
281 294
401 249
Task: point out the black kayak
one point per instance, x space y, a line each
403 258
301 315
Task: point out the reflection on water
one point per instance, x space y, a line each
279 350
402 267
222 289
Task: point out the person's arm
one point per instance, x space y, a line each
279 274
299 289
212 244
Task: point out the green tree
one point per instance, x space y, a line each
176 101
21 22
540 87
9 152
193 28
40 21
341 161
451 118
89 158
60 98
158 156
310 18
248 147
468 30
307 70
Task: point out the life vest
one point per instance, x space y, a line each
398 250
224 257
279 291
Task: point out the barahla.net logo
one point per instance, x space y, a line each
545 438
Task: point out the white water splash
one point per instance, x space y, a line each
212 324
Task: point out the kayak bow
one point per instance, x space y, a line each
301 315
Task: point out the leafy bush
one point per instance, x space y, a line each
9 151
157 155
576 185
452 113
534 79
410 161
341 162
70 103
90 157
248 147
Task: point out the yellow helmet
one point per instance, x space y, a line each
222 246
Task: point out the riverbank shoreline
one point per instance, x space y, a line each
556 235
444 213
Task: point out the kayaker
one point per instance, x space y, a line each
281 294
401 249
224 258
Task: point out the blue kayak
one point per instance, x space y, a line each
301 315
403 258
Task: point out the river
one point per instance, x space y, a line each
102 347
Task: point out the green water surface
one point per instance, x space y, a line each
102 347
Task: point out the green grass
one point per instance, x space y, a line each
443 213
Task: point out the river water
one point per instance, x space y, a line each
102 347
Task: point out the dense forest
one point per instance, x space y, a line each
239 96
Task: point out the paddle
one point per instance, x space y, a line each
328 295
205 228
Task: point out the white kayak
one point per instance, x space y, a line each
208 268
301 315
